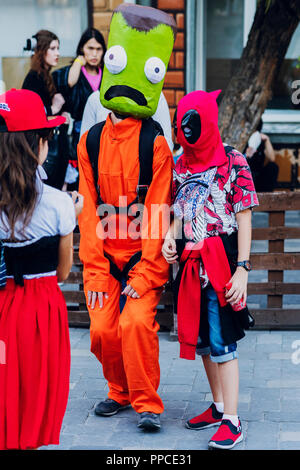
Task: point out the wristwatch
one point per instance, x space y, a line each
245 264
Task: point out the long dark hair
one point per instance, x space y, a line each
18 165
44 39
91 33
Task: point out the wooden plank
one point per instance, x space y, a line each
81 318
76 260
275 246
78 318
276 261
267 233
272 261
74 296
76 239
264 288
273 288
272 317
79 297
275 233
74 278
278 201
254 288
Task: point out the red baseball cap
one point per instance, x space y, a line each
23 110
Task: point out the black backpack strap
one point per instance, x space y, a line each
116 272
93 148
149 131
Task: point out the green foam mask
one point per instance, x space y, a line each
139 48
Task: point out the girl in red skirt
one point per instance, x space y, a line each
36 234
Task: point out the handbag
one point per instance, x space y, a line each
57 159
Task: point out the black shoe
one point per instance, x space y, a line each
109 407
149 421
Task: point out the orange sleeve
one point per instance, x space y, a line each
96 266
153 271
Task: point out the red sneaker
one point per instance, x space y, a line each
210 417
227 436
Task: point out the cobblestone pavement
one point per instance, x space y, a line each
269 404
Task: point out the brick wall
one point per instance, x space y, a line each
102 14
174 87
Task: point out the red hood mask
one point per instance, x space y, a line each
196 128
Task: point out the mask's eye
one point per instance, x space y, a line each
155 70
115 59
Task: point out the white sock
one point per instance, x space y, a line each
233 418
219 406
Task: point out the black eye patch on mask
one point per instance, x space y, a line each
191 126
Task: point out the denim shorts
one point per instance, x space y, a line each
210 334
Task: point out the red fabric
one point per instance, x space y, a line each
34 380
23 110
224 433
205 417
213 255
208 151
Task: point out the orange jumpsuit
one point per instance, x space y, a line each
126 344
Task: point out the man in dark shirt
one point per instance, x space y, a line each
261 159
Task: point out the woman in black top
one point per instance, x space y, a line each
40 80
78 81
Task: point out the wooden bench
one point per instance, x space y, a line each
276 261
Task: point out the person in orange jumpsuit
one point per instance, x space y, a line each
126 343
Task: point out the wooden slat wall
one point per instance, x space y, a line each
275 262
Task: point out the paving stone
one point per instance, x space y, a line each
79 404
290 436
280 356
289 446
283 383
283 417
243 397
267 348
269 339
177 388
176 380
262 436
96 447
268 402
291 395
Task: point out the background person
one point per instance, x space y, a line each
261 159
36 234
39 80
76 83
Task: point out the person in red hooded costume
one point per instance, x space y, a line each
213 195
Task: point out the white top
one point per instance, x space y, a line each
54 214
95 112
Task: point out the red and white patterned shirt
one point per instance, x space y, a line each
232 191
